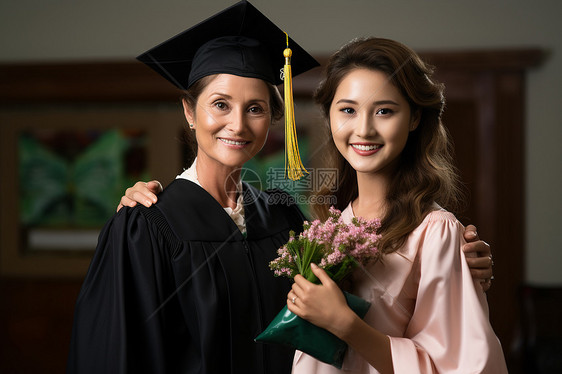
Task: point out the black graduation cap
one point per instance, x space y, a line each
239 40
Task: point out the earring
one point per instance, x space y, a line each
191 126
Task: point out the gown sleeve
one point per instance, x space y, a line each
449 331
125 319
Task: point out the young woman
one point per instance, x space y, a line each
384 113
184 286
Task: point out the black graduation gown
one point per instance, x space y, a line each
176 288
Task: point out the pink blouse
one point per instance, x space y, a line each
425 299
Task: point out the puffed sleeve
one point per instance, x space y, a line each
449 331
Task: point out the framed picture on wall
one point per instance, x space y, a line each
69 180
63 173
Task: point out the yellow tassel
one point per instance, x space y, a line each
293 165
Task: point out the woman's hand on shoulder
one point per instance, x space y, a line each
142 192
480 266
321 304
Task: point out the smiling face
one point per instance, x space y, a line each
370 121
231 119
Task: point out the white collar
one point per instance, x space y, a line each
237 214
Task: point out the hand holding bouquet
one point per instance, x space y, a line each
337 248
333 245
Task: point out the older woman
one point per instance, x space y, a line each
184 286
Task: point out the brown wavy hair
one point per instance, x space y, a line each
425 172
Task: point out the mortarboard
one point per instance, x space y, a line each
217 45
239 40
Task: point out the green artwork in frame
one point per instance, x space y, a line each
73 179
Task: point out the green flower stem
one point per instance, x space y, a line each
311 253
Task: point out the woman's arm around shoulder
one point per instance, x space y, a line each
142 192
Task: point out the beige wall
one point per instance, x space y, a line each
53 30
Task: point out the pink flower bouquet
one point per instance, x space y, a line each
337 248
